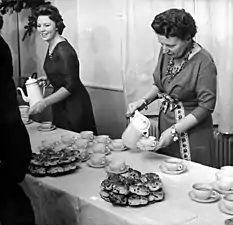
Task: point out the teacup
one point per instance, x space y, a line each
81 143
102 139
203 191
173 164
227 201
46 125
67 138
227 170
117 166
148 141
48 144
99 148
224 182
117 143
98 159
83 153
87 134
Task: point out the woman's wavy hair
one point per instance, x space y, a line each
175 23
53 13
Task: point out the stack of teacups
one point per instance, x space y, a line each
227 202
24 112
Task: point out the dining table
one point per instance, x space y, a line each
74 199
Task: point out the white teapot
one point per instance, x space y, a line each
139 126
34 93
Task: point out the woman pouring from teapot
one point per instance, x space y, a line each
70 101
185 80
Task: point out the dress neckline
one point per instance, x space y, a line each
51 54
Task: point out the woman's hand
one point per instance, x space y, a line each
38 107
165 139
43 81
134 106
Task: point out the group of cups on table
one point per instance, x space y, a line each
221 189
92 149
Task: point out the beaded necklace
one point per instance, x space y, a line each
172 70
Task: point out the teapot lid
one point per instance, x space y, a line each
31 81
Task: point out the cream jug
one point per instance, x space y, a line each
139 126
33 91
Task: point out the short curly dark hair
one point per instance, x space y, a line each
53 13
175 23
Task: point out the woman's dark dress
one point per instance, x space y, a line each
74 112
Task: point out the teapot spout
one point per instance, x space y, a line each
25 98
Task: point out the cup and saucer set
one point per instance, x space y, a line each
173 166
117 145
46 126
204 193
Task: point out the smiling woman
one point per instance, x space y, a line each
70 101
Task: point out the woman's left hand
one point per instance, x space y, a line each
37 107
165 139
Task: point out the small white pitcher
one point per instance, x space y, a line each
139 126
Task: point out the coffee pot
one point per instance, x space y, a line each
137 128
34 93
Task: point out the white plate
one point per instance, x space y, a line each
209 200
89 163
107 168
117 149
40 128
216 188
223 209
164 170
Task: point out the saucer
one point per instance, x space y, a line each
107 168
164 170
209 200
145 148
223 209
28 122
117 149
216 188
53 127
89 163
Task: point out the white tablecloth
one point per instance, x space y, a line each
74 198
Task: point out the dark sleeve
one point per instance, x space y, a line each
206 91
68 67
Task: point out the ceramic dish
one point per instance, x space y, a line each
40 128
216 188
223 209
28 122
209 200
108 169
117 149
89 163
164 170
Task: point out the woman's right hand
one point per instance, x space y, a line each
43 81
132 107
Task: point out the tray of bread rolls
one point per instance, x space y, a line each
132 188
54 163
